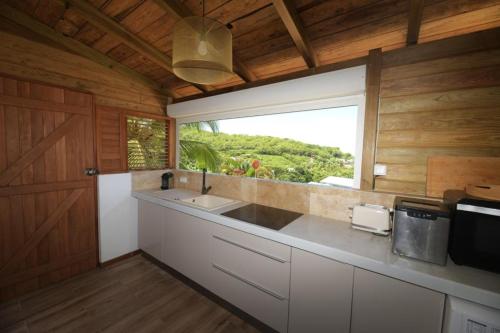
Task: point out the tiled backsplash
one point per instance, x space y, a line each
331 202
148 179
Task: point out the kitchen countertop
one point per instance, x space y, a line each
338 241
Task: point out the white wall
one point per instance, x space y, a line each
118 219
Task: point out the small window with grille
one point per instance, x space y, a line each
147 143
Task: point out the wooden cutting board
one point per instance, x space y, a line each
455 172
491 192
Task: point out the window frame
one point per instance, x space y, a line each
357 100
171 129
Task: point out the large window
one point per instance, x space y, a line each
314 146
147 143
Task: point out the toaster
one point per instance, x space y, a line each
372 218
421 229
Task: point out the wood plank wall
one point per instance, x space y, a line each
25 55
440 98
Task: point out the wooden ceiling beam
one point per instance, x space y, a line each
178 10
414 21
243 71
108 25
24 20
286 10
112 27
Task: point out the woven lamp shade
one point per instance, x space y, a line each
202 50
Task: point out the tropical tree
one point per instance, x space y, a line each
148 137
201 154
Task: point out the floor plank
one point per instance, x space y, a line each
133 295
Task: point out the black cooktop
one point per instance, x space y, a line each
269 217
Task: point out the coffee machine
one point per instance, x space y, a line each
167 181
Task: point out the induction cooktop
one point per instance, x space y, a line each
269 217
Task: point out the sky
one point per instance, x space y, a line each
334 127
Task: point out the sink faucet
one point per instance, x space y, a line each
204 189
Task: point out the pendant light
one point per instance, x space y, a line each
202 50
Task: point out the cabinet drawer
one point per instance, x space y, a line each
271 274
252 273
239 291
265 247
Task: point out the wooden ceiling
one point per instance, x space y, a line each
271 38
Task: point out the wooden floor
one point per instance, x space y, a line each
133 295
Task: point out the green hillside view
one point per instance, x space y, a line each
268 157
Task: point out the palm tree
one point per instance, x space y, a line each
201 153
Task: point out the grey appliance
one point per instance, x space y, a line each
421 229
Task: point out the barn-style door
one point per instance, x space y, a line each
47 203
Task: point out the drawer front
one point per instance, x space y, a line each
266 247
269 273
260 304
252 273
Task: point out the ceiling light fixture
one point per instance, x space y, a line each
202 50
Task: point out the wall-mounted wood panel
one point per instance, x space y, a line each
35 60
111 137
437 104
456 172
47 203
373 74
112 142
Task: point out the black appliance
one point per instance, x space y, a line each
475 231
269 217
167 181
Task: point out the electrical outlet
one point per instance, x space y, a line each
380 170
183 180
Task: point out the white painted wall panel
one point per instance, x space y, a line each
117 216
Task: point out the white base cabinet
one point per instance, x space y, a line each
320 294
384 304
150 229
286 288
186 245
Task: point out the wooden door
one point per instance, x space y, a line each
47 203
